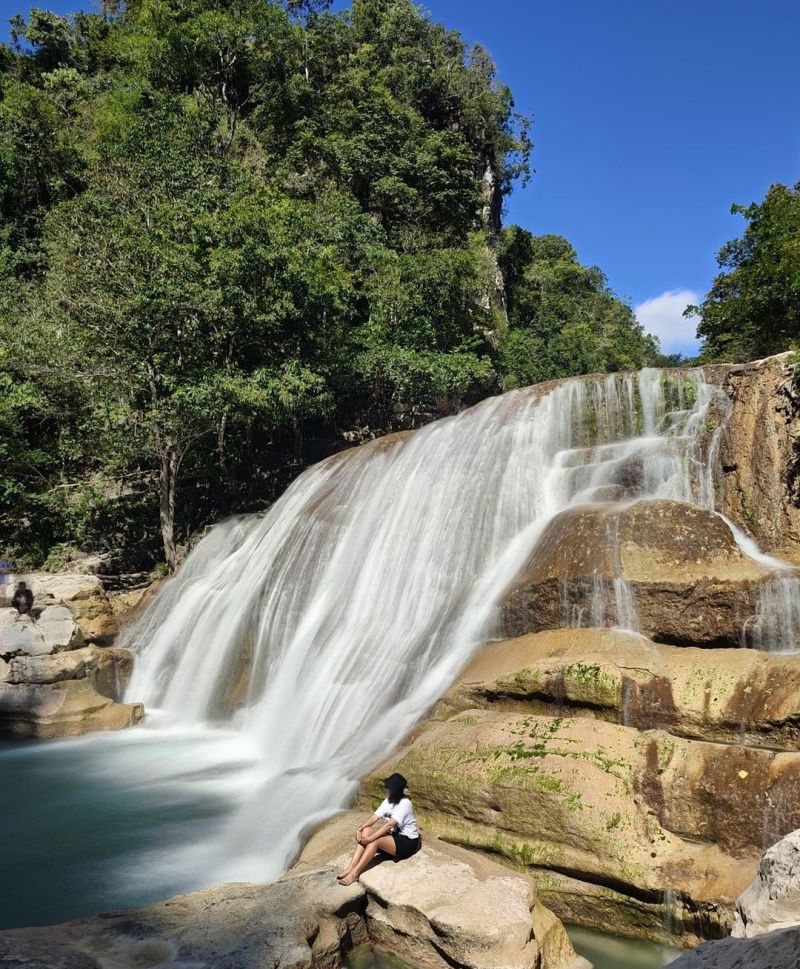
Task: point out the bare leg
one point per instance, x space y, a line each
368 832
386 843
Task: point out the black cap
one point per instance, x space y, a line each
395 782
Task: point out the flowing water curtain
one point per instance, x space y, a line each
775 628
637 436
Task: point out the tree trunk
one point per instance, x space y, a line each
167 480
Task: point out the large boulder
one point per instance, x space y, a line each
53 686
64 708
85 598
444 909
671 568
621 828
446 906
772 901
54 631
758 448
737 696
779 950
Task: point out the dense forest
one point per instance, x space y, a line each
238 236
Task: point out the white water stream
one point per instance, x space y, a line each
324 630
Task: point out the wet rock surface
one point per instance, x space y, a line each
685 579
608 818
759 452
736 696
638 782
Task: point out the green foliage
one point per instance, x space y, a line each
563 318
229 230
223 223
753 307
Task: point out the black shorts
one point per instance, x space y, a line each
404 847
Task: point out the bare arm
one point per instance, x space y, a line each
368 823
381 832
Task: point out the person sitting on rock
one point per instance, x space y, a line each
392 830
23 599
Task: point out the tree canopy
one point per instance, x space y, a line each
563 318
753 307
234 233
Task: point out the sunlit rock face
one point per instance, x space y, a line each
52 685
670 569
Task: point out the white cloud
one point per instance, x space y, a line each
663 317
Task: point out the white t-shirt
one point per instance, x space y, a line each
403 813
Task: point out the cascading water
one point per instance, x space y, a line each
325 629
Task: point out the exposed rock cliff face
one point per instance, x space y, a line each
443 909
52 683
759 453
734 696
583 757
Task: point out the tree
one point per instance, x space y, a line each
564 320
753 307
173 336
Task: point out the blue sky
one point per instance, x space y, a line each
650 119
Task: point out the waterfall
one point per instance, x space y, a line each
775 628
327 627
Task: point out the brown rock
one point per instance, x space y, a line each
447 907
759 472
738 696
85 598
64 708
689 581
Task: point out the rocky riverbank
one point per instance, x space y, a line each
638 782
446 908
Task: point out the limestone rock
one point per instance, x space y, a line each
639 814
759 443
739 696
53 632
62 708
772 901
689 581
778 950
109 668
85 598
302 923
449 907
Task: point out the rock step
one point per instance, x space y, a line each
735 696
687 580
